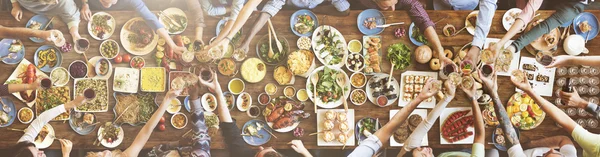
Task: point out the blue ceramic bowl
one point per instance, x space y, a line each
5 45
44 21
294 20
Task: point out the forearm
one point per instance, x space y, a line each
330 10
416 137
142 137
553 142
514 30
199 32
15 4
433 38
505 124
586 60
594 109
162 32
557 115
224 115
19 33
36 126
243 16
487 9
74 32
479 125
225 30
13 88
260 23
196 9
386 131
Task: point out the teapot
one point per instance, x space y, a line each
575 45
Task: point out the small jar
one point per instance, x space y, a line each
571 111
584 71
581 112
582 123
573 71
594 100
594 71
592 123
562 71
583 89
594 90
574 81
558 102
593 81
561 81
583 80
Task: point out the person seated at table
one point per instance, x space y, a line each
566 11
144 134
25 33
573 99
8 89
455 4
374 142
66 10
419 16
413 142
588 141
139 7
26 147
520 23
272 7
490 84
487 9
548 146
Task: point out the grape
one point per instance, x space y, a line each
399 32
66 48
298 132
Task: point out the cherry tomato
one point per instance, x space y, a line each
141 64
161 127
109 140
118 59
162 120
126 58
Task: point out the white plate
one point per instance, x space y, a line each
319 102
67 76
239 100
112 23
205 102
94 60
317 47
286 129
21 68
423 104
107 98
471 28
48 140
508 23
370 91
350 140
444 116
420 112
175 109
114 143
541 88
366 53
134 50
131 77
171 11
514 64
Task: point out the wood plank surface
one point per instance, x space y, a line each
346 25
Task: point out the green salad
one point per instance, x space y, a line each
327 89
399 55
417 35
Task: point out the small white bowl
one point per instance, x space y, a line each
250 115
347 63
205 102
359 43
268 100
239 102
97 66
297 93
22 110
358 103
243 86
173 110
293 93
131 61
57 83
173 124
267 91
304 38
106 41
358 73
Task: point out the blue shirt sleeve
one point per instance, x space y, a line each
212 10
487 8
149 17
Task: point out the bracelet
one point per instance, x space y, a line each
228 39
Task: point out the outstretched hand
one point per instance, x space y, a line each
490 82
428 90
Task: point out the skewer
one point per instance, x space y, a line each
187 133
390 77
48 24
123 113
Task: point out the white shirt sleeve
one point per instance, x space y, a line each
415 139
568 150
368 147
36 126
516 151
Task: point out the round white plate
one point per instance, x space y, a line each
317 47
320 103
114 143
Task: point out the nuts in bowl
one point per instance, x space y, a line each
358 97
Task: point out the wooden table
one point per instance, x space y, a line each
348 27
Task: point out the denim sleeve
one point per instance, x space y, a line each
487 8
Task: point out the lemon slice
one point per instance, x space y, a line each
515 119
160 48
160 54
523 107
161 41
288 107
538 112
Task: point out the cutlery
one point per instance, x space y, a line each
279 46
170 19
388 25
4 106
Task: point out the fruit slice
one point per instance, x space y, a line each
523 107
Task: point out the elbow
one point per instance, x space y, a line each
345 13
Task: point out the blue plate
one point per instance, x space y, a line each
5 45
360 136
410 32
44 21
186 104
294 20
253 140
500 147
592 21
47 68
380 20
13 111
86 129
221 22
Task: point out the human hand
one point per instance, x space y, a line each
66 146
450 89
573 99
521 82
86 14
17 13
473 54
298 146
178 49
445 61
428 90
560 61
214 85
490 82
244 48
172 94
470 92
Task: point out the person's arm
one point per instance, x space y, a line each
337 8
236 6
211 9
553 142
198 16
16 11
7 89
487 9
521 22
269 10
565 60
152 21
85 11
565 13
573 99
36 126
551 110
239 22
144 134
372 144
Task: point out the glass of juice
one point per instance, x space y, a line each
446 70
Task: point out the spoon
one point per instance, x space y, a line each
341 80
4 106
259 127
9 56
390 78
271 53
279 46
314 79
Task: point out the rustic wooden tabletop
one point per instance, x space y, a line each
346 25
